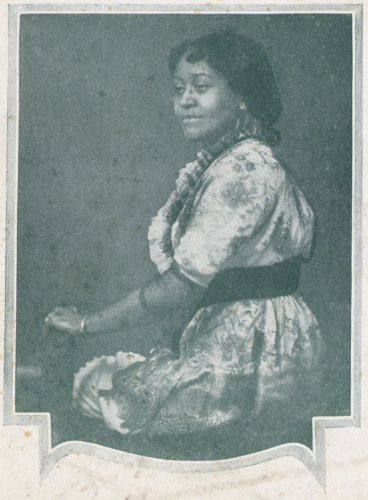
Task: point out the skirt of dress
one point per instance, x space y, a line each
241 366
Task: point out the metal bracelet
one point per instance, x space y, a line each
82 327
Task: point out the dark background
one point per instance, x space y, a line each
99 152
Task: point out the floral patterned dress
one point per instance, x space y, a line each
237 360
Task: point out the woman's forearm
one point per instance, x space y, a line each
122 314
170 294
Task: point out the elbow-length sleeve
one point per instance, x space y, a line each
245 212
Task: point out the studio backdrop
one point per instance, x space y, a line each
99 153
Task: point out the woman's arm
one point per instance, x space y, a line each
170 294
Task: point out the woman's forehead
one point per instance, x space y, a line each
185 70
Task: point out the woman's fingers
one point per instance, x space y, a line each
49 319
54 320
66 312
65 319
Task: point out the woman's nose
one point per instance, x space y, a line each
187 98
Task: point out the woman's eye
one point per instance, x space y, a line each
179 90
201 87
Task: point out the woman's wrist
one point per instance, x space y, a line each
120 316
87 331
87 325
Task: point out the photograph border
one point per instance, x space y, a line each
314 460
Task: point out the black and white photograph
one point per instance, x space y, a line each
183 254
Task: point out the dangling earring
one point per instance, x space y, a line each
240 122
246 125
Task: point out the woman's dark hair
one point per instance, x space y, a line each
245 66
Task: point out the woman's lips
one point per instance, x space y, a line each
188 119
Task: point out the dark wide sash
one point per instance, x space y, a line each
246 283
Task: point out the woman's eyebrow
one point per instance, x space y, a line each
178 77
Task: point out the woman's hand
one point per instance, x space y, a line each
66 319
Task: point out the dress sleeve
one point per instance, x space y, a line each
232 207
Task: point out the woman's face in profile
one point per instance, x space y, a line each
205 105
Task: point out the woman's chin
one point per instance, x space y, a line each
200 139
192 135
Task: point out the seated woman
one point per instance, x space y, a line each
228 246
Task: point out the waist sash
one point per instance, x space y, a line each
246 283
